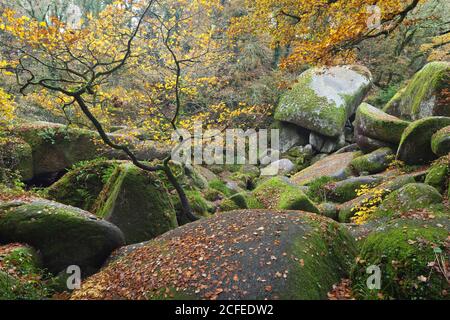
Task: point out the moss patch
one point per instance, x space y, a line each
63 235
440 142
406 251
374 162
277 193
379 125
138 203
81 186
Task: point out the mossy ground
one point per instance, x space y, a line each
407 252
21 277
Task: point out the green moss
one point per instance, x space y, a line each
376 124
213 195
346 190
199 205
81 186
438 176
316 189
57 147
138 203
415 100
415 145
440 142
403 250
63 235
374 162
277 193
240 200
227 205
346 211
320 258
221 186
411 196
16 155
302 106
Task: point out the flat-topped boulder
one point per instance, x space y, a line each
248 254
335 166
324 98
425 95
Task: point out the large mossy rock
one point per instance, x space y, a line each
280 193
138 203
324 98
407 252
374 162
16 155
134 200
56 147
249 254
440 142
409 197
336 166
63 235
415 146
425 95
376 124
438 175
82 185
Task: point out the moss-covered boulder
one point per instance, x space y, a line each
374 123
346 190
415 146
348 209
16 156
21 275
411 196
56 147
82 185
409 253
323 99
440 142
438 176
425 95
374 162
336 166
63 235
249 254
279 193
138 203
